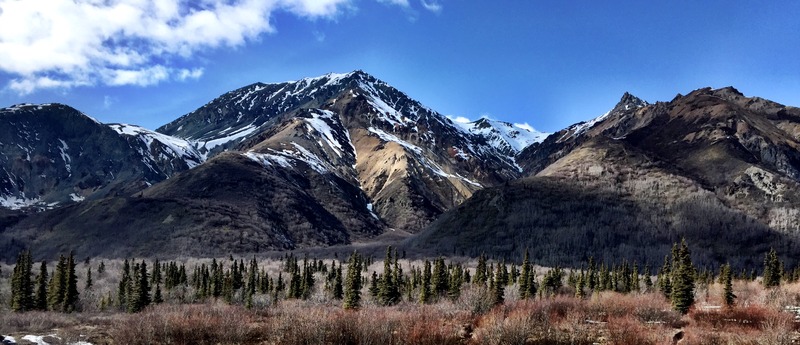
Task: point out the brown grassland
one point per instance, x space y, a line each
642 317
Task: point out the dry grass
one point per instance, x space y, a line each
604 318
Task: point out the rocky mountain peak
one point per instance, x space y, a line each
629 101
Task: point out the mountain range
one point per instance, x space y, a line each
347 158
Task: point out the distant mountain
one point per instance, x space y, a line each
54 155
319 161
509 139
347 158
714 166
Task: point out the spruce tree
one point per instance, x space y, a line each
89 278
772 271
664 279
338 289
374 286
425 287
40 299
70 299
456 279
21 284
498 294
683 279
727 283
387 286
157 298
352 288
439 278
124 282
57 285
481 274
524 277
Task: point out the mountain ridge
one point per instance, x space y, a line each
344 158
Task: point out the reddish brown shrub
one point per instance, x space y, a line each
190 324
753 317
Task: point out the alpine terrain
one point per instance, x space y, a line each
713 166
320 161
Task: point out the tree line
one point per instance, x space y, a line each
142 284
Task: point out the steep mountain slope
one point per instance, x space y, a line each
336 159
712 164
411 162
54 155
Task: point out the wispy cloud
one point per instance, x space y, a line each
401 3
69 43
432 6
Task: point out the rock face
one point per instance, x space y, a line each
54 155
709 165
319 161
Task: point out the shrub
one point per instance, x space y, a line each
190 324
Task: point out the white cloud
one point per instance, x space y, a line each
432 6
401 3
185 74
459 119
525 126
68 43
108 101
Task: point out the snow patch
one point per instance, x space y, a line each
64 156
318 123
371 211
179 147
39 340
241 133
76 198
286 158
16 203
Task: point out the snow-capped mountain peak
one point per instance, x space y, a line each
503 135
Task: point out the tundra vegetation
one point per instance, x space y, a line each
360 299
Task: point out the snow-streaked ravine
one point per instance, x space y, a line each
180 148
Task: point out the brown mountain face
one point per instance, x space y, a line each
714 166
322 161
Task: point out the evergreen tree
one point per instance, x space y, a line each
157 298
102 268
524 277
338 290
456 279
425 286
481 276
581 284
498 294
70 299
156 278
439 278
139 292
89 278
727 283
124 282
40 299
352 288
664 279
374 288
683 274
772 271
388 289
648 281
21 284
252 281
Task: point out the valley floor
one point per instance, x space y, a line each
602 318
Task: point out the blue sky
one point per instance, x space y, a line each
546 63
